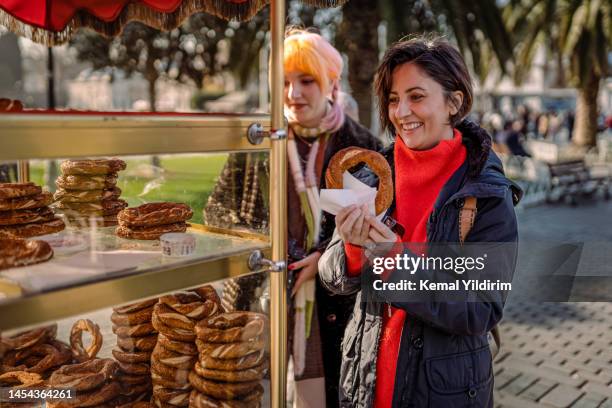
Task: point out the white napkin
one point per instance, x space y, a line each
354 192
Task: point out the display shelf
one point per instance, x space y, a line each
62 134
113 271
45 136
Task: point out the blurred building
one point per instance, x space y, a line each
540 89
11 69
112 89
606 97
23 70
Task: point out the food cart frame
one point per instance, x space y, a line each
27 136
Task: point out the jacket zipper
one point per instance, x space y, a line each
370 396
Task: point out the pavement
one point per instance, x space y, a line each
558 354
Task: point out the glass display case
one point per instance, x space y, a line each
179 316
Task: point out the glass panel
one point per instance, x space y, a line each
240 196
228 195
200 344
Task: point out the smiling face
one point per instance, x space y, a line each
304 98
419 109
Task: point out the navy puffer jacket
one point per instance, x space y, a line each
444 358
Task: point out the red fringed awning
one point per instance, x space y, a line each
52 22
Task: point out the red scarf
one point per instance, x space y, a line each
420 175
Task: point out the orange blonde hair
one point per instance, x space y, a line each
313 55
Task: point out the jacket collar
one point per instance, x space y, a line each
490 182
481 175
477 143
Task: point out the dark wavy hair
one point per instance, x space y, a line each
438 59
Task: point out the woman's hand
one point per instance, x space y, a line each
379 233
310 268
351 224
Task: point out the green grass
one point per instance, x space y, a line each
187 179
37 173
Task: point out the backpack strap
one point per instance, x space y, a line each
467 215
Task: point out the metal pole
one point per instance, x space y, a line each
278 211
50 79
51 166
23 171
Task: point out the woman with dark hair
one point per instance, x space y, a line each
425 353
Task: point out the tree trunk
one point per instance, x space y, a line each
51 170
585 126
358 38
152 95
155 160
51 174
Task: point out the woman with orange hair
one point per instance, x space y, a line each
318 128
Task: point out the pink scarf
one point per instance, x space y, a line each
331 122
307 188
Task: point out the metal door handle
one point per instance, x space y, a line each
256 133
257 261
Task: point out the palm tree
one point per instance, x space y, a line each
478 29
357 38
476 26
579 34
